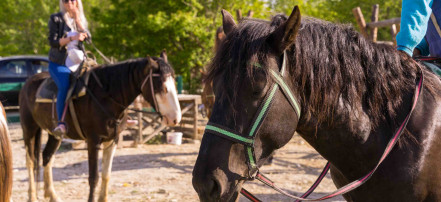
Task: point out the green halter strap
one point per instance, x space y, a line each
248 140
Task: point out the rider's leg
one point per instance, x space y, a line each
60 74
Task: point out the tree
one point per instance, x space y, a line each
23 28
186 29
125 29
340 11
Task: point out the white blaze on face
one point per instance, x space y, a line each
168 103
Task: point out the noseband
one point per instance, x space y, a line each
248 139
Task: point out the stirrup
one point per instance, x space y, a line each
60 131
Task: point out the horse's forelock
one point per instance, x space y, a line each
244 45
165 70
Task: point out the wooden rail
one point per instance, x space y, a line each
384 23
370 30
149 123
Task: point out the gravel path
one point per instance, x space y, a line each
163 172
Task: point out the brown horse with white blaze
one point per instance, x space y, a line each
352 95
5 159
101 116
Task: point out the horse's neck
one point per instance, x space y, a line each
355 137
130 83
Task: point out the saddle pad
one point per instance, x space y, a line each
434 67
47 91
433 63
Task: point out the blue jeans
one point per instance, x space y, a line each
60 74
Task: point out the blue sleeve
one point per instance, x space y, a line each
423 46
415 15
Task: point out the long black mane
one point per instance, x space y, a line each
118 77
332 65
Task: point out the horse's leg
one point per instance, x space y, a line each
93 147
51 147
106 168
32 144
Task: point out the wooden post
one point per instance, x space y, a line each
195 117
393 32
360 21
250 14
138 137
239 14
374 18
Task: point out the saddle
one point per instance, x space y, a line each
47 91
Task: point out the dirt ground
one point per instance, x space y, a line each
163 173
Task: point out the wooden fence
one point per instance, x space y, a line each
370 30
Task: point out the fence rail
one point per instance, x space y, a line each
370 30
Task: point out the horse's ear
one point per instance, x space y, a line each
164 55
285 35
152 64
228 22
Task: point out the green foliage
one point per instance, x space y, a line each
23 26
340 11
126 29
184 28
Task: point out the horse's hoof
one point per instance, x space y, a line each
55 199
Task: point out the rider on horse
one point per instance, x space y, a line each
66 29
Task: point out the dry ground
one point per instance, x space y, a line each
163 172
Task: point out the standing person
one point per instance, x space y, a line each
67 26
420 32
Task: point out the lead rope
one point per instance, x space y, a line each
353 185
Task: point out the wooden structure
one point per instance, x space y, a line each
189 125
148 124
369 30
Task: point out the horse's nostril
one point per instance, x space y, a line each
175 121
214 189
207 189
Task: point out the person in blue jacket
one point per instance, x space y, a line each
420 32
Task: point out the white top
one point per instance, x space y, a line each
74 55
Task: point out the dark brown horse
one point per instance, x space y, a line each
352 94
5 159
98 118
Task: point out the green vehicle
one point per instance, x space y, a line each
14 71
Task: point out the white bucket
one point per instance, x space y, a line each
174 138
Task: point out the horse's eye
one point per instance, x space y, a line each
258 89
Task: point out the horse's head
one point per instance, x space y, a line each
160 82
251 111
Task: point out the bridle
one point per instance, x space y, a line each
248 139
152 90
